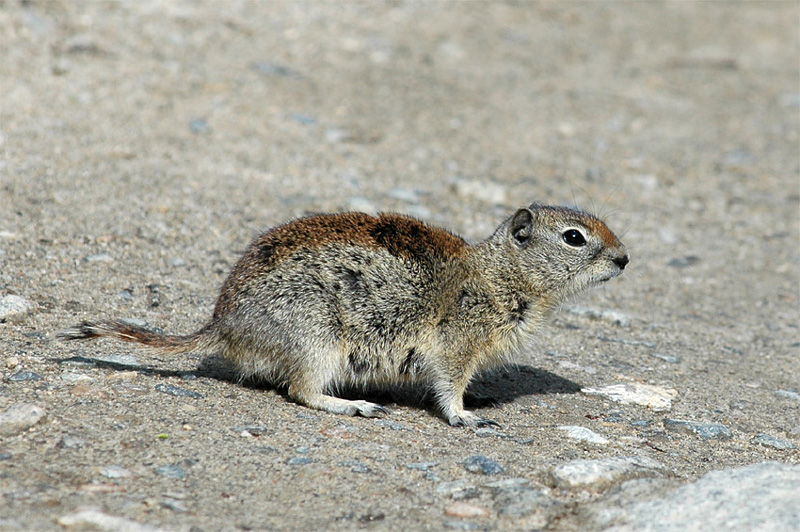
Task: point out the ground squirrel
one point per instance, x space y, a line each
351 299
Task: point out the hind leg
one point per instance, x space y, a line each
308 384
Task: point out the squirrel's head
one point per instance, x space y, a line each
563 251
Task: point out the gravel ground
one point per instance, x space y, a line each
142 144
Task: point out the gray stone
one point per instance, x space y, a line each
788 394
422 466
271 69
199 126
389 424
654 397
707 431
672 359
14 308
776 443
171 471
598 475
356 466
455 488
584 434
169 389
764 497
299 460
20 417
508 484
71 442
24 376
99 257
115 471
250 430
481 464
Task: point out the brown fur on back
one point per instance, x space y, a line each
402 236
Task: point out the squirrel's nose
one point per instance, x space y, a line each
621 261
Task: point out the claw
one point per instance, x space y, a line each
487 423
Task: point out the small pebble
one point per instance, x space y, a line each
356 466
5 456
199 126
421 466
465 510
24 376
454 488
481 464
171 471
125 295
14 308
271 69
115 471
250 430
508 484
388 423
175 506
788 394
74 377
776 443
12 362
335 135
169 389
484 432
20 417
683 262
584 434
707 431
672 359
71 442
302 119
299 460
99 257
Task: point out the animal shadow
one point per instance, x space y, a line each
494 388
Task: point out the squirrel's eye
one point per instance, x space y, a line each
573 237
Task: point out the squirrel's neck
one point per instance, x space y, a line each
496 269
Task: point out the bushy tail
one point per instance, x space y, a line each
127 332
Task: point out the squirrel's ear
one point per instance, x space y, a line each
521 228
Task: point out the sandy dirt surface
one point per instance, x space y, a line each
143 144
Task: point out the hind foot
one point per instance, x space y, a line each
337 405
